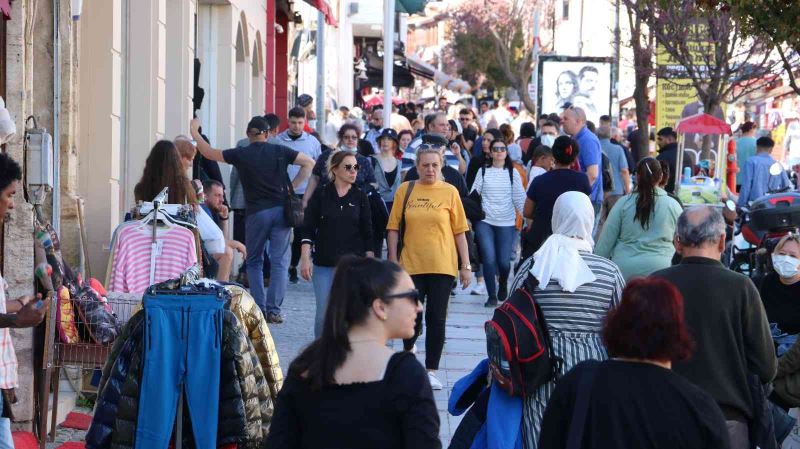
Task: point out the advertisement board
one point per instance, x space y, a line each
581 82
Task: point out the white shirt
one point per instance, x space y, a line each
534 172
500 198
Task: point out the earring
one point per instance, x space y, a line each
384 317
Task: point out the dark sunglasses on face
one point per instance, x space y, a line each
411 294
463 119
351 167
499 149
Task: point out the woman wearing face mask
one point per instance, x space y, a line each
780 290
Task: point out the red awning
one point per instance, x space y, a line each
325 8
377 99
703 124
5 6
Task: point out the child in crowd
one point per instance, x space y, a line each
542 162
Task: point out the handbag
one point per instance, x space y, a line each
473 208
402 231
761 427
292 208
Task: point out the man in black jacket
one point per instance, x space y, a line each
726 318
667 141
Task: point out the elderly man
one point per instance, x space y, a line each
619 163
437 124
726 318
375 127
573 120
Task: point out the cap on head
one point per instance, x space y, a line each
388 133
258 123
304 100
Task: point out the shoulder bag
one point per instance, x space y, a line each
293 212
402 231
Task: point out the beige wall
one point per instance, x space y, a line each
136 78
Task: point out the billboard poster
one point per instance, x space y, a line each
581 82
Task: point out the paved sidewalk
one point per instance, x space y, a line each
464 348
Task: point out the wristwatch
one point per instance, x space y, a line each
466 267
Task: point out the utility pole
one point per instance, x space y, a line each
535 72
388 60
615 72
320 72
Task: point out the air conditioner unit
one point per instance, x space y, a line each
352 8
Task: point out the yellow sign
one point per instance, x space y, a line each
672 96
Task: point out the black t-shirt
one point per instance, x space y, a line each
450 175
544 191
634 406
782 303
396 412
262 171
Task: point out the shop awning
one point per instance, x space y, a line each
410 6
325 8
5 7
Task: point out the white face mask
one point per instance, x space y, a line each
786 266
548 140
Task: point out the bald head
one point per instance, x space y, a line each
700 226
573 119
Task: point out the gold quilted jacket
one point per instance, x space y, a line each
244 307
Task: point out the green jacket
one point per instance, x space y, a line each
638 251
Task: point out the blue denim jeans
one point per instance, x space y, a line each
183 348
495 243
268 224
322 278
6 440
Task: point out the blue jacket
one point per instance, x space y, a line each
503 426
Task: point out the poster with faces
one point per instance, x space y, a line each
580 83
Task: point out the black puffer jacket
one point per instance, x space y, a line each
245 403
114 373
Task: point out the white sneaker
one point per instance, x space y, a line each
436 384
479 289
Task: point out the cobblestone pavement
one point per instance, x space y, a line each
465 343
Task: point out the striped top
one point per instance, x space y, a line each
8 357
500 198
584 310
130 271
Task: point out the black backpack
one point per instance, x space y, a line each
608 176
520 351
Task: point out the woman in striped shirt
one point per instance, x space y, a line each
576 290
503 195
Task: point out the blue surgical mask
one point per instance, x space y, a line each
786 266
548 140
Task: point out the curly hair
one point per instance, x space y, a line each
163 169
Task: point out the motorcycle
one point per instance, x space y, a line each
761 226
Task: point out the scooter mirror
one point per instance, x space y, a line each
775 169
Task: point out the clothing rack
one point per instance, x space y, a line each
157 202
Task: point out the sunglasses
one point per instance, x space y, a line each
463 119
429 147
351 167
349 137
499 149
411 294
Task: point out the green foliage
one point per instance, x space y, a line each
778 20
479 65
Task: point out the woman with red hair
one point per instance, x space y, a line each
634 400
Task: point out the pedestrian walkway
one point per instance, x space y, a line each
464 348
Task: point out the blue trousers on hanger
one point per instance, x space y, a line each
183 336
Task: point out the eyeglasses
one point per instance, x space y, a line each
349 137
351 167
411 294
463 119
499 149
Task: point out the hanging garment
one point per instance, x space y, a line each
183 334
175 251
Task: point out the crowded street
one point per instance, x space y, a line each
399 224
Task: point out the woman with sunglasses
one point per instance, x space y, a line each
503 196
348 142
337 222
429 220
638 233
485 157
347 389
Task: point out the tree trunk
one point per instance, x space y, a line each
526 98
642 101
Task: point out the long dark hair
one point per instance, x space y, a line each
648 175
163 169
357 283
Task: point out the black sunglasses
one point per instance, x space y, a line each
349 167
499 149
411 294
429 147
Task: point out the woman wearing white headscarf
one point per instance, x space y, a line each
576 290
